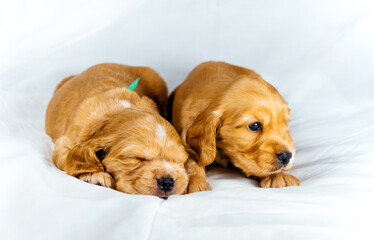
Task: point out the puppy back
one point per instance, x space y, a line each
151 84
73 90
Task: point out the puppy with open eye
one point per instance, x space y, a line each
108 135
230 115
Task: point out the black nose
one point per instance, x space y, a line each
165 184
284 157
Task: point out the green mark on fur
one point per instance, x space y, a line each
134 84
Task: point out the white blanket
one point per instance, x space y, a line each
319 55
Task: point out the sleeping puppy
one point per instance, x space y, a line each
230 115
108 135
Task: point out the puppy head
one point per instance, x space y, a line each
249 127
140 149
144 154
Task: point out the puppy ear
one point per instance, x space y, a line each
82 159
85 156
201 136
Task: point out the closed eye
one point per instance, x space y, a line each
133 156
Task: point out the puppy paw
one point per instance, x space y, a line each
198 185
279 180
99 178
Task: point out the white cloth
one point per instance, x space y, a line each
319 54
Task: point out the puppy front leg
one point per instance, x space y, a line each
81 162
197 177
279 180
98 178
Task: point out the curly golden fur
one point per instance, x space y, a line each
107 135
213 109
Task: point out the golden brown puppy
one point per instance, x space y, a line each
229 114
108 135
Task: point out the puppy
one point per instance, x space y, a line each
108 135
230 115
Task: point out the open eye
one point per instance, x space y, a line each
255 126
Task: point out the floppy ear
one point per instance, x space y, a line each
85 156
82 159
201 136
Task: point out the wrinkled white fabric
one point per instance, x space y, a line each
319 55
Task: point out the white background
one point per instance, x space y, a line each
319 54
